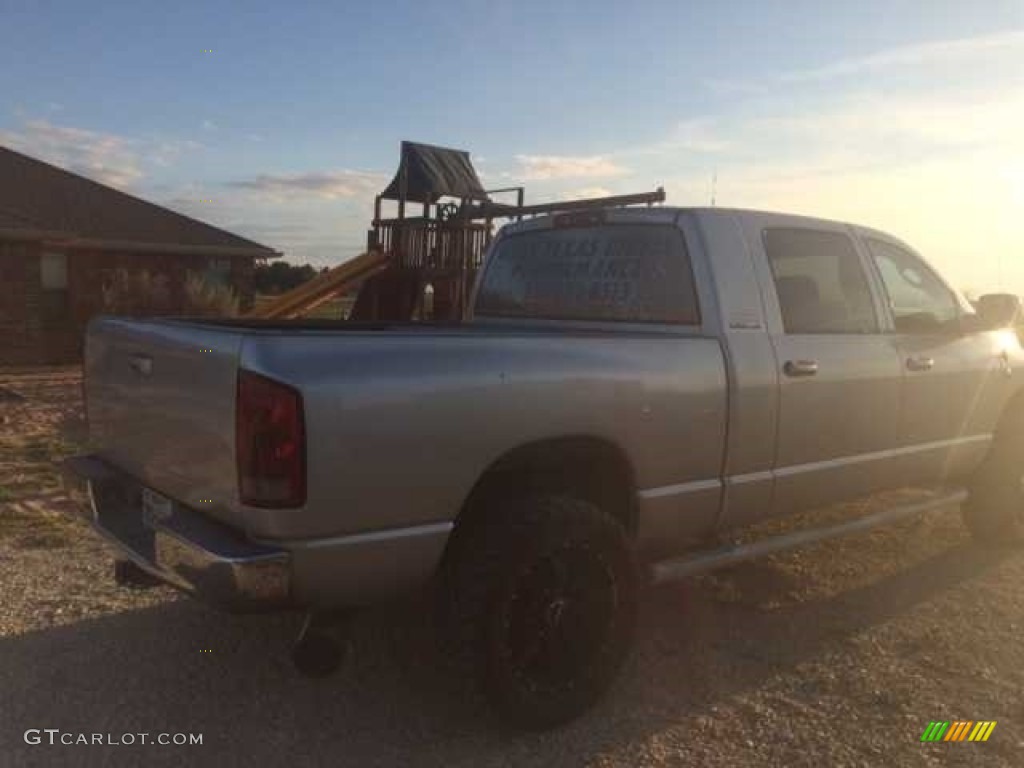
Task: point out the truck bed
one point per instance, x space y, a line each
380 399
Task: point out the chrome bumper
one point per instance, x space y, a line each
184 549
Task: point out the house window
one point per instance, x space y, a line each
53 282
53 271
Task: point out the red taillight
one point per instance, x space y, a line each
270 443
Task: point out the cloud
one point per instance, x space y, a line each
699 135
695 136
907 106
587 192
164 152
945 51
329 185
857 133
318 241
315 231
879 123
543 167
105 157
112 159
204 208
921 140
319 231
208 125
272 229
980 57
940 169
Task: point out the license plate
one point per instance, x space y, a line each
155 507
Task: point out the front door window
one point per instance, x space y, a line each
919 300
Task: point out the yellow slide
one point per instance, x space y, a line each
322 287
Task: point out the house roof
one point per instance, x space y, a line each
41 200
12 220
427 173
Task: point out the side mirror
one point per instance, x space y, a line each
1000 310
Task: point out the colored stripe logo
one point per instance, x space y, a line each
959 730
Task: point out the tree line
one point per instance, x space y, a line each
280 276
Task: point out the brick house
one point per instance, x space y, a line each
62 236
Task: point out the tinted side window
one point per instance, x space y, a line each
636 273
920 301
820 282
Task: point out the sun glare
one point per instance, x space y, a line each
1014 176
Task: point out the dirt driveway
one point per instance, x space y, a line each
839 654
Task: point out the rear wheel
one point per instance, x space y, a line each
994 512
547 588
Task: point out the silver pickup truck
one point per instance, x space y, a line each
631 386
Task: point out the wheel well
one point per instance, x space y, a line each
586 467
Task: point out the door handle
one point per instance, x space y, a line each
921 363
796 368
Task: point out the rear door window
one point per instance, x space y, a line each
637 273
820 282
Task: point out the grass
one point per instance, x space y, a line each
49 449
33 466
334 309
40 430
31 529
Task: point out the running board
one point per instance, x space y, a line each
680 568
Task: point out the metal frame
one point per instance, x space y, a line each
442 249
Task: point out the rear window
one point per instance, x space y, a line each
637 273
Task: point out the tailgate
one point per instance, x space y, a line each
160 399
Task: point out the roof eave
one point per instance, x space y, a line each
19 233
82 243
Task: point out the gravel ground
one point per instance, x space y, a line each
839 654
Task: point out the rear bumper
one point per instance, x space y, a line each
220 565
183 549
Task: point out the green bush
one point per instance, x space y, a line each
208 299
140 293
136 292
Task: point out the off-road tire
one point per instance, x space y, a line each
544 589
994 511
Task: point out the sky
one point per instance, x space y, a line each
281 121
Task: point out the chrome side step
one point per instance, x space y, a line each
680 568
